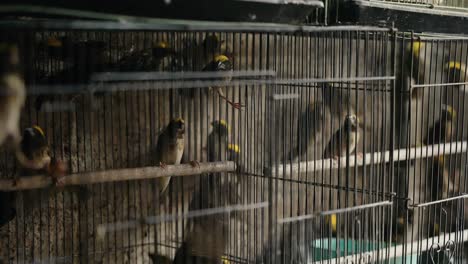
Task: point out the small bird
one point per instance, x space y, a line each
335 100
36 149
332 223
158 58
165 57
218 141
415 66
458 72
443 129
80 59
309 128
170 148
440 180
221 63
159 259
196 55
233 154
205 241
338 145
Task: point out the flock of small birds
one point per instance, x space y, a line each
32 152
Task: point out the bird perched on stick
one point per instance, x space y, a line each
36 149
308 128
345 140
233 154
158 58
443 129
170 148
221 63
458 72
218 141
415 63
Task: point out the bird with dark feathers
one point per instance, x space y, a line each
345 140
443 129
458 73
205 241
170 148
36 149
217 149
218 141
337 100
159 259
82 58
233 154
414 65
196 55
159 58
12 99
440 179
309 127
221 63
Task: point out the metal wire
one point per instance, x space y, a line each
336 138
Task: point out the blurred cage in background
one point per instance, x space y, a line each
431 3
341 144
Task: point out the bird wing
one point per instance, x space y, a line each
434 132
333 147
309 125
159 150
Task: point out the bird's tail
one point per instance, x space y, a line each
163 184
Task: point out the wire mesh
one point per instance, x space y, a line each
317 148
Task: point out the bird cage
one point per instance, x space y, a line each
176 141
442 16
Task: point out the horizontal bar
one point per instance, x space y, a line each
43 181
464 196
121 22
102 229
331 212
285 96
151 76
369 159
188 84
314 3
438 85
356 208
412 8
400 250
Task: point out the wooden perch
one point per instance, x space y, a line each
369 159
42 181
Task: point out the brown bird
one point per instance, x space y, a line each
170 148
338 146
